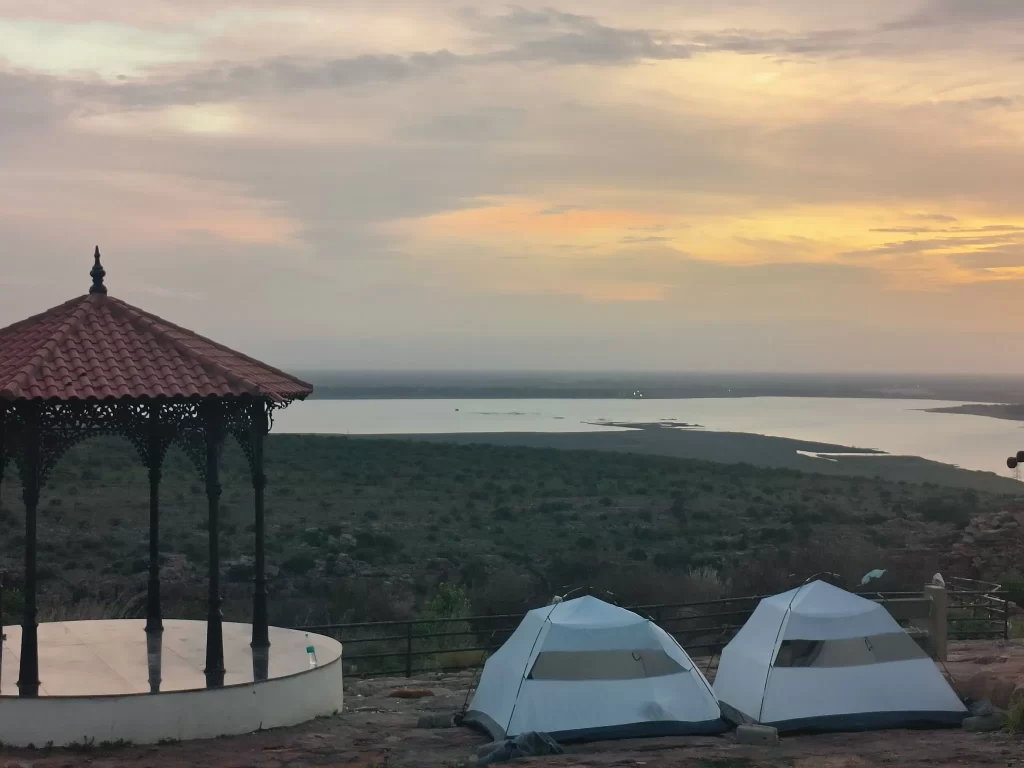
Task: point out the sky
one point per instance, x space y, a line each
762 185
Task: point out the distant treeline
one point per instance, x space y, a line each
540 385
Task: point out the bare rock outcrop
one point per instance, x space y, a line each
989 547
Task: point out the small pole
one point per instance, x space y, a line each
408 650
1006 617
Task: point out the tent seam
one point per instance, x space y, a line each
519 690
771 661
693 667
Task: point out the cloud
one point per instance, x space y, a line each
929 245
567 38
520 19
812 44
556 39
911 230
994 258
558 210
30 103
942 13
986 102
607 125
262 79
770 244
489 123
545 38
634 240
908 230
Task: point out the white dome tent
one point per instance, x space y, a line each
585 670
821 658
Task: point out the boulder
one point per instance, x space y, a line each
757 735
982 708
984 723
442 720
486 749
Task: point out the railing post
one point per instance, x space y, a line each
408 650
1006 617
938 621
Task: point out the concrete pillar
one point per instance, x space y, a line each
938 621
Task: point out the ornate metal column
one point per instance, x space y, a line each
3 451
28 673
259 428
154 460
3 467
213 423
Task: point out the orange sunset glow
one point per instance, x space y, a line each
637 175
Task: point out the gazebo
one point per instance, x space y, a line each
96 365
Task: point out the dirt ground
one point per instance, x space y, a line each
377 730
988 670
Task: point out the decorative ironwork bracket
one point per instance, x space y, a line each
37 434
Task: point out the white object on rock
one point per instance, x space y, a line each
938 581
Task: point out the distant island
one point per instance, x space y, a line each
663 424
734 448
1007 411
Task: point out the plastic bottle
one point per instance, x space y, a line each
310 652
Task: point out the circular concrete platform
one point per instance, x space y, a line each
97 678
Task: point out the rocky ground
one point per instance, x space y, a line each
377 730
988 670
989 546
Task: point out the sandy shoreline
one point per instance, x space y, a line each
1005 411
736 448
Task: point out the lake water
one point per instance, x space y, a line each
894 426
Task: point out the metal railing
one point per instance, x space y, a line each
978 609
702 628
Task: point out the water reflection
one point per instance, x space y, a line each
154 652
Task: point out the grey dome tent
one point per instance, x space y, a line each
585 670
821 658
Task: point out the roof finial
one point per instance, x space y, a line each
97 274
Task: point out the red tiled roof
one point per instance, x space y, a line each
97 347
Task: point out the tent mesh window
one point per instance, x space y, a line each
849 651
603 665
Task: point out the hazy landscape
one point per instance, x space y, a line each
670 301
365 528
